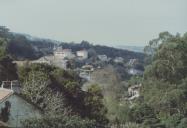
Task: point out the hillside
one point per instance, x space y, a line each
132 48
100 50
23 46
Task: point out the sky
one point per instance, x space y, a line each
106 22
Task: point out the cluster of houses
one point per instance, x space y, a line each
19 109
61 58
61 53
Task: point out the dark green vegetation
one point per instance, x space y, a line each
5 112
20 47
58 93
59 122
163 96
7 68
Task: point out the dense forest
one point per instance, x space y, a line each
60 95
162 102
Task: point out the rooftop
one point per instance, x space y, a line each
3 125
59 49
66 50
83 50
4 93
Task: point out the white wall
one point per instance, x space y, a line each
20 110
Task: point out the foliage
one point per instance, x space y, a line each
164 84
3 44
58 91
94 107
133 125
59 122
20 47
163 100
8 70
169 61
35 88
173 121
183 123
5 112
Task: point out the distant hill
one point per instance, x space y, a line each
132 48
24 46
100 50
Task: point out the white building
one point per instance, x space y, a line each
103 57
67 53
132 62
134 91
83 54
118 60
44 59
133 71
60 53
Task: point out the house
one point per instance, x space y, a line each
58 52
43 60
61 53
133 71
85 72
103 57
67 53
132 62
118 60
83 54
18 108
89 68
134 91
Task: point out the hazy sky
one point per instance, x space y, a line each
109 22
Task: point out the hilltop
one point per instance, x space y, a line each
24 46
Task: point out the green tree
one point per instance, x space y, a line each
5 111
62 121
8 69
94 105
3 44
164 82
183 123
